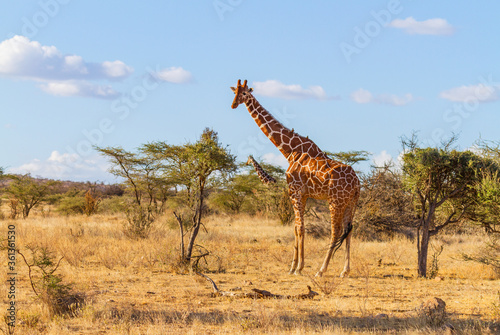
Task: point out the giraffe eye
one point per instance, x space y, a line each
244 93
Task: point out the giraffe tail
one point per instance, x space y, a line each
347 230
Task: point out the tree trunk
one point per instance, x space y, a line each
26 211
196 223
423 247
194 234
181 227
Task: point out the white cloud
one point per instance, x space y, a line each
176 75
79 88
65 166
64 75
272 158
116 69
382 158
276 89
21 57
363 96
471 93
435 26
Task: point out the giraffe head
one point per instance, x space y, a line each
250 159
242 93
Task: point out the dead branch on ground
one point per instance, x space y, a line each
256 293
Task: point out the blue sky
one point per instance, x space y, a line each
350 76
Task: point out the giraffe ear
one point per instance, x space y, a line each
250 90
233 89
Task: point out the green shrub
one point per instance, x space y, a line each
113 205
72 205
59 297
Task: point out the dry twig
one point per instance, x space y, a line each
256 293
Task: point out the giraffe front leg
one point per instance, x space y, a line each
300 246
298 251
295 253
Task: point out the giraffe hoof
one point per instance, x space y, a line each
344 274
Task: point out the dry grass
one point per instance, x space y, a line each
136 286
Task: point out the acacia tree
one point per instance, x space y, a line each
232 195
487 209
195 167
349 157
28 192
125 165
141 174
442 181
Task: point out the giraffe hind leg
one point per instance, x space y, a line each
338 237
349 216
347 267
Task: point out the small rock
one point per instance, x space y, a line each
381 316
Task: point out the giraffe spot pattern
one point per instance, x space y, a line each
311 174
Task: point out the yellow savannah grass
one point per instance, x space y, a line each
137 287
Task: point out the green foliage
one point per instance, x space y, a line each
349 157
142 174
443 172
283 206
273 199
487 203
48 286
71 205
195 168
28 192
442 181
232 196
113 205
489 149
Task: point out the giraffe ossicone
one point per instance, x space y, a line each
310 174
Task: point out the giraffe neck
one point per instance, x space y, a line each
289 143
263 175
271 127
